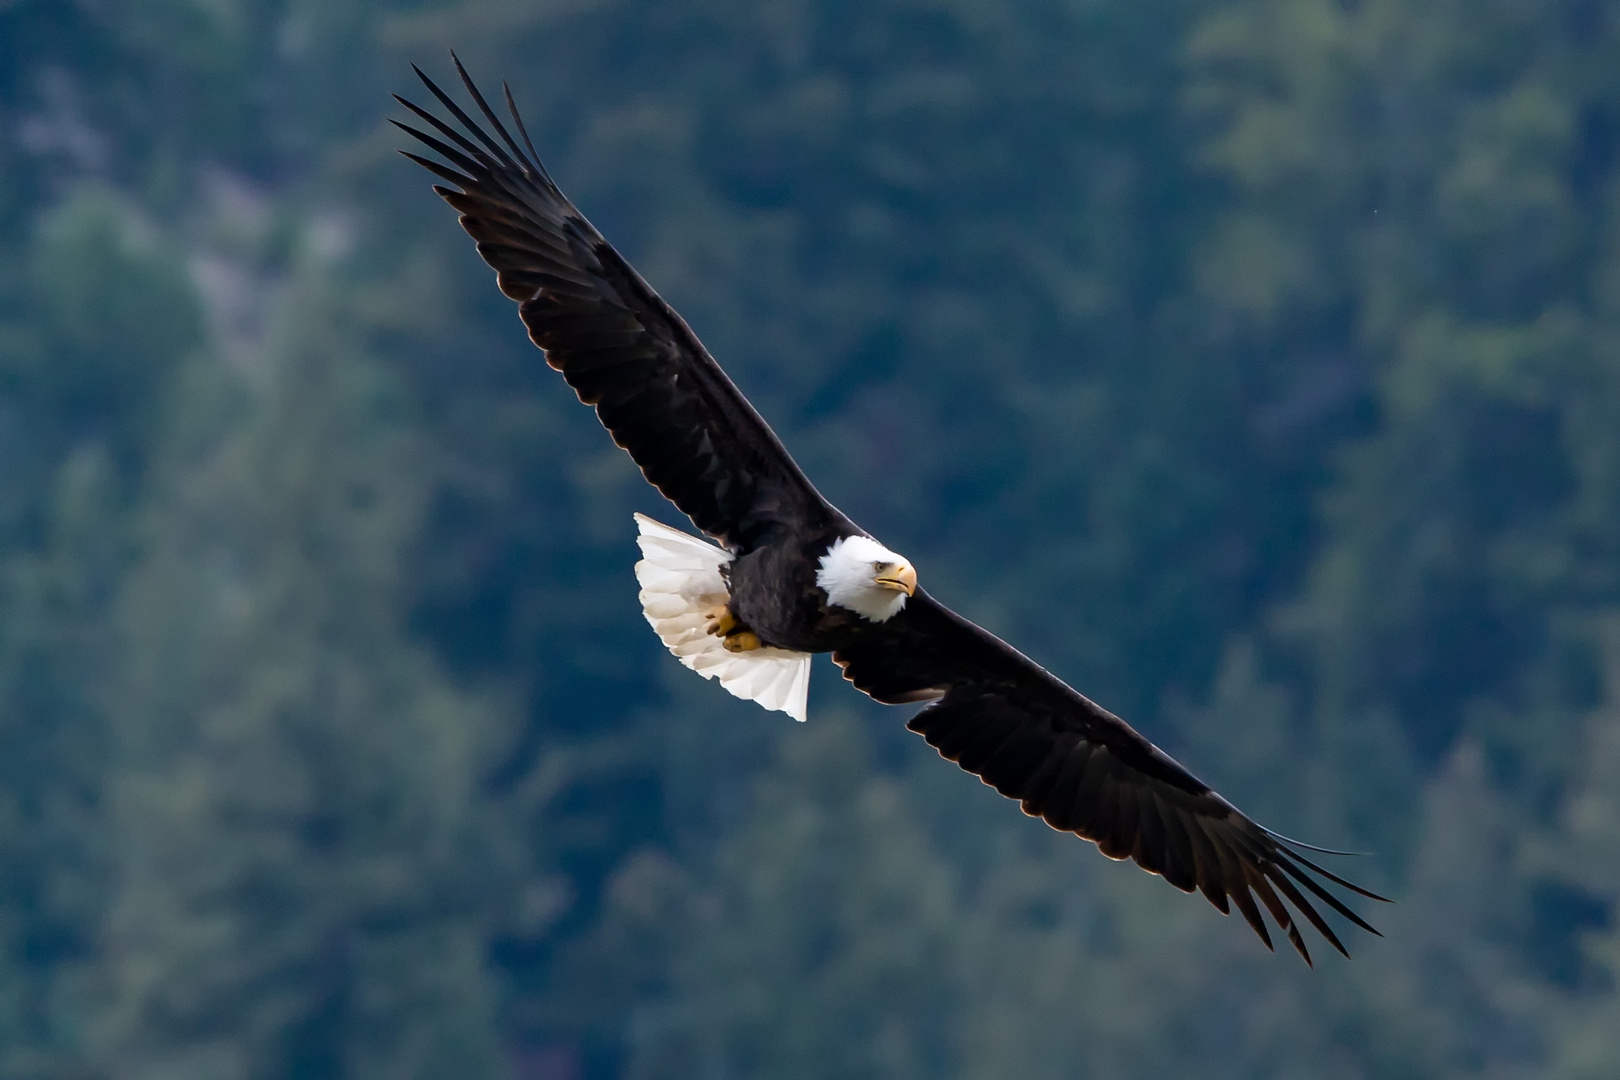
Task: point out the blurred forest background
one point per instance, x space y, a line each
1254 364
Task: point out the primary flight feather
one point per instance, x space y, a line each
792 576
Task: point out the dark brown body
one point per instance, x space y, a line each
774 594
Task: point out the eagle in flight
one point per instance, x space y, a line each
789 576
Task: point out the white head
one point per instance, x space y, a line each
861 574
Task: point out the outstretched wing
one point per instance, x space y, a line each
655 387
1030 736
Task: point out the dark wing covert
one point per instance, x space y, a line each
655 387
1032 737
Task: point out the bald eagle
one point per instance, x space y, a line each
789 576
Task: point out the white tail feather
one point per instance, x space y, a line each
680 582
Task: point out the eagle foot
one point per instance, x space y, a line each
720 620
742 641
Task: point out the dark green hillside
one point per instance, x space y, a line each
1253 365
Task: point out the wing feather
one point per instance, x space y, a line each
1045 777
617 344
1060 802
1120 839
1150 842
1084 770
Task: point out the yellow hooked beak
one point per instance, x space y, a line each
901 579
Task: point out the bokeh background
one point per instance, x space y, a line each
1254 364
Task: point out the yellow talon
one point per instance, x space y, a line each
724 625
721 620
747 641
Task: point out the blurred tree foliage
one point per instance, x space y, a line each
1250 363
